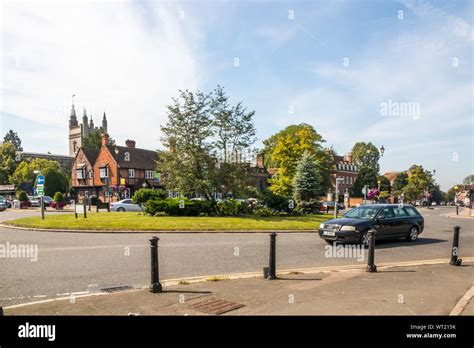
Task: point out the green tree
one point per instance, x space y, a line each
56 180
400 182
468 180
307 180
366 155
13 138
94 140
365 176
437 195
451 194
420 182
234 130
24 176
384 184
188 164
8 162
288 149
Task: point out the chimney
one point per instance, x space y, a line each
105 139
130 143
348 157
261 160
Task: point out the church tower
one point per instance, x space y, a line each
75 132
104 124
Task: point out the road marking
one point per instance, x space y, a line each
463 302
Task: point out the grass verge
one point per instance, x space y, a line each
140 222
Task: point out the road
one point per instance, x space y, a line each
71 262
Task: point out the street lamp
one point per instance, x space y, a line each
382 150
434 172
336 196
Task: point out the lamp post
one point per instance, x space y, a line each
118 173
336 196
382 150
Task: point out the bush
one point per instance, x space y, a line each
276 202
180 207
263 212
22 196
312 206
144 195
155 206
228 207
58 197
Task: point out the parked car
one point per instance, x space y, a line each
125 205
6 203
2 206
324 206
35 201
47 201
389 220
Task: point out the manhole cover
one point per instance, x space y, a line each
215 306
118 288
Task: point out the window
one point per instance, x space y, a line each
387 213
351 180
131 173
80 173
411 211
127 201
104 172
399 212
91 174
149 174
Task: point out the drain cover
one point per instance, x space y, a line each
118 288
215 306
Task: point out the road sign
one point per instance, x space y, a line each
40 191
365 190
40 180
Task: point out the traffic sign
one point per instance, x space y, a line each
365 189
40 180
40 191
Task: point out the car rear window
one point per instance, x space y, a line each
411 211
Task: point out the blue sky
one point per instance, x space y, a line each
331 64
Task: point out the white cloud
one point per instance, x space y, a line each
119 57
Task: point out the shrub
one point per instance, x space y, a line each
262 212
275 202
22 196
155 206
228 207
58 197
144 195
180 207
312 206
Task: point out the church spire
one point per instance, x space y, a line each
104 123
73 118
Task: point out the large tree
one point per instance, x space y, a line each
24 176
94 140
384 184
288 147
365 176
13 138
400 182
468 180
234 130
366 155
188 164
307 180
420 184
8 162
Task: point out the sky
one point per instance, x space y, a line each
395 73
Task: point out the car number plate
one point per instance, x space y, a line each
329 233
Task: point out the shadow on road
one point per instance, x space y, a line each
383 244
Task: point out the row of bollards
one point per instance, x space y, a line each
270 271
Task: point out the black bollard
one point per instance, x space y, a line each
155 285
371 267
272 261
457 209
85 208
455 261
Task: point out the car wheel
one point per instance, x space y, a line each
121 209
364 239
412 234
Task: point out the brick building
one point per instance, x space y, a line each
343 168
114 172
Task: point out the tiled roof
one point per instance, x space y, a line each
91 154
139 158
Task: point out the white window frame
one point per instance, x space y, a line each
101 172
80 174
131 173
149 174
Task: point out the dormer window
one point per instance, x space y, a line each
104 172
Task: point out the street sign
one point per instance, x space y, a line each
40 180
40 191
365 190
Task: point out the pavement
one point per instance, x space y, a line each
462 213
71 262
419 289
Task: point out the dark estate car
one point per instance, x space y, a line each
389 220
